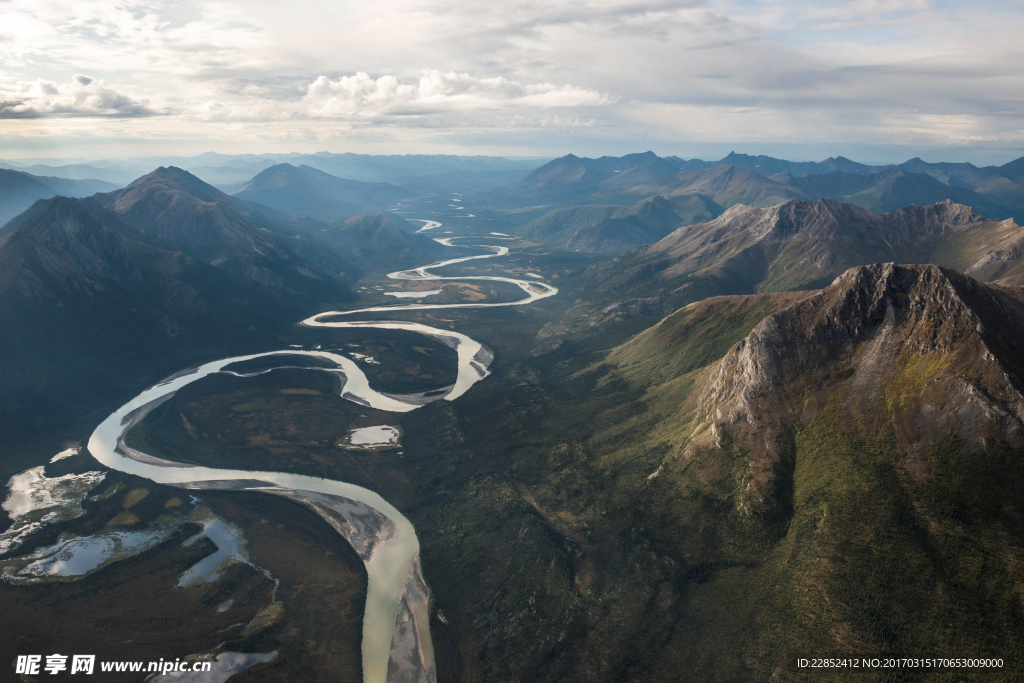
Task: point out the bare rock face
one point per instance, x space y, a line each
922 351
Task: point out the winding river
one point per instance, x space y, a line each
396 644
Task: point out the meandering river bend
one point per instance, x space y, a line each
396 645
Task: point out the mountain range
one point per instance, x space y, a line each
230 171
577 188
18 190
798 245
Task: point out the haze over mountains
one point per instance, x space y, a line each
18 190
702 190
307 191
757 408
230 171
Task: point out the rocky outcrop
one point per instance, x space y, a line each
922 350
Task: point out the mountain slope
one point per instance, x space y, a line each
310 192
19 190
935 355
380 242
172 209
91 304
612 228
801 245
858 446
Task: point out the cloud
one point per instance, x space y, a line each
361 95
641 71
81 96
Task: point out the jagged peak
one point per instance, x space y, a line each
866 329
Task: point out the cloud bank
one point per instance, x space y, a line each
852 77
81 96
361 95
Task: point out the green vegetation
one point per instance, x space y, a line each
693 337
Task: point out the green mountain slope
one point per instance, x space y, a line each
613 229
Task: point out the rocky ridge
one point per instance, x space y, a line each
922 351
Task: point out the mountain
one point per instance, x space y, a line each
802 459
307 191
172 209
769 166
105 292
614 229
890 190
380 242
879 330
756 180
565 179
723 185
18 190
793 246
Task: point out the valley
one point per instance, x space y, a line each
644 441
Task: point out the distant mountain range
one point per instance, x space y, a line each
230 171
798 245
575 186
310 192
18 190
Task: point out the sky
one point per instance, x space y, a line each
873 80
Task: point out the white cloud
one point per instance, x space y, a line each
643 73
361 95
81 96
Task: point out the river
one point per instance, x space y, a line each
396 644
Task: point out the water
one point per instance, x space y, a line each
392 563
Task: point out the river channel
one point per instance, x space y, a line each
396 644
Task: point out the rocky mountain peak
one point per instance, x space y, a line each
929 351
